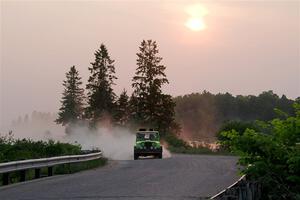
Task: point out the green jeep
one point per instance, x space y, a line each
147 144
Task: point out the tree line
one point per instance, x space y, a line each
201 115
197 115
147 106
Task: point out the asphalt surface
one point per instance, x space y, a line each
178 177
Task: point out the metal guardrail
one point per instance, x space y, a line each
240 190
46 162
220 194
6 168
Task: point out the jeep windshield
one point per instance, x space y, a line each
141 136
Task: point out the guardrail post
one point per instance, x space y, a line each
22 175
37 173
50 171
69 167
5 179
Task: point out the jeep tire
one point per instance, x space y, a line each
160 155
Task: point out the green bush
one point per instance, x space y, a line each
174 141
271 155
21 149
238 126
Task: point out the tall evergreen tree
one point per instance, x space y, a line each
100 93
122 112
152 107
73 97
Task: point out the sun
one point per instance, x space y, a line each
196 13
195 24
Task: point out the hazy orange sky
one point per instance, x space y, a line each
243 47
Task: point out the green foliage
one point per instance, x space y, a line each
271 157
100 93
72 100
22 149
174 141
239 126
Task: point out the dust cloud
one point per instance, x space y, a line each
166 153
116 143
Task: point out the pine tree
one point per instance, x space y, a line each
100 93
122 112
152 107
72 101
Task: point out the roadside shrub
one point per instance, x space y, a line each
238 126
174 141
21 149
271 157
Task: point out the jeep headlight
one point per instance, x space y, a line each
138 146
156 145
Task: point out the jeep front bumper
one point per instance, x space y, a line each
143 152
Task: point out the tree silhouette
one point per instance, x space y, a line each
100 93
151 107
122 112
72 101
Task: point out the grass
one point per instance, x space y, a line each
199 150
14 177
76 167
177 145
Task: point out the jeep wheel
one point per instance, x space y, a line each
160 156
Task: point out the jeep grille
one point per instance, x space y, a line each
148 145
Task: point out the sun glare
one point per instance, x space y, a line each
195 24
196 13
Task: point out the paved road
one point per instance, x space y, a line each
178 177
